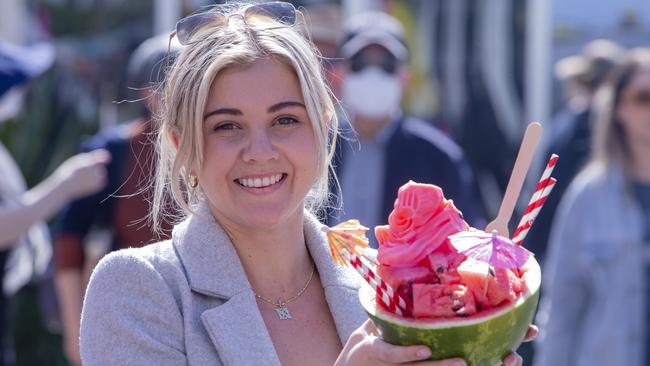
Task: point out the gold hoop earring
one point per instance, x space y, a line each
193 181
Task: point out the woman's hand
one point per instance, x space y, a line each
364 347
514 359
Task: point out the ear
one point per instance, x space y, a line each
175 136
328 120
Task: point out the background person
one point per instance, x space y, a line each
121 208
392 147
594 309
25 247
571 132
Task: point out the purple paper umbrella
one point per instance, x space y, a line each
495 250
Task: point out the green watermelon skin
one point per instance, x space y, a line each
484 343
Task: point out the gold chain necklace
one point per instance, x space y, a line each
281 305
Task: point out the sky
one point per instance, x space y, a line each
607 13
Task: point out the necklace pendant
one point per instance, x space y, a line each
282 310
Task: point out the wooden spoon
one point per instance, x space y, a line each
527 149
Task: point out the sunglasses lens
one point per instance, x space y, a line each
280 11
357 62
643 97
187 27
387 62
639 97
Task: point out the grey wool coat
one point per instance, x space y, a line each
187 301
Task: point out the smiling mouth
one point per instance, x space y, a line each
261 182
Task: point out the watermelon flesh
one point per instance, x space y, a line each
460 307
481 339
442 300
417 259
491 287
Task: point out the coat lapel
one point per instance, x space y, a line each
341 284
235 327
238 332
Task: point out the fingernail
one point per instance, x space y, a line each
423 352
510 360
459 363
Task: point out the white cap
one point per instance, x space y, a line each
377 28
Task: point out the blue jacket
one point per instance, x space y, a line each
418 151
80 215
592 311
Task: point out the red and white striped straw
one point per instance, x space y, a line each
543 189
392 300
546 175
532 210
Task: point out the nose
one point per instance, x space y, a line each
260 147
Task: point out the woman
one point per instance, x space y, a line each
247 278
596 286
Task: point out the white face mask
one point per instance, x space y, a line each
372 92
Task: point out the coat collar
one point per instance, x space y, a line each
214 269
207 254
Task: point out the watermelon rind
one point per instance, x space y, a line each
482 340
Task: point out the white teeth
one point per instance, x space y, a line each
260 182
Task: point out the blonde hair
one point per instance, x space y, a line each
609 144
214 48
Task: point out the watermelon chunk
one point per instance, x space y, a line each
490 287
444 263
442 300
400 276
483 338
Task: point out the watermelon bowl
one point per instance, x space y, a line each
482 339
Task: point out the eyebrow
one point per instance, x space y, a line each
272 109
278 106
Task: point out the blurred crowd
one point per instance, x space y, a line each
440 113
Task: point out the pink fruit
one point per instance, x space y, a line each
442 300
490 287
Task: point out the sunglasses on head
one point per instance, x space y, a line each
386 62
279 11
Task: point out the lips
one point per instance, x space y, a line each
260 181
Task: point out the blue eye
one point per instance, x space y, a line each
226 126
287 120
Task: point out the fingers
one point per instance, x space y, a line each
364 347
513 359
532 333
84 173
389 353
100 156
369 328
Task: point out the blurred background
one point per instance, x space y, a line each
471 61
480 70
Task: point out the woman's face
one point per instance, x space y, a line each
260 155
634 109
